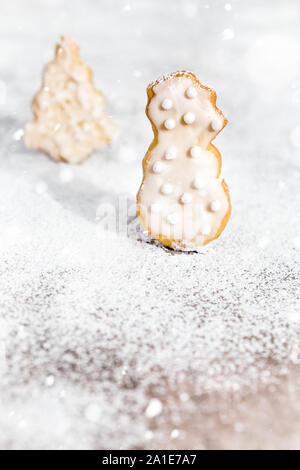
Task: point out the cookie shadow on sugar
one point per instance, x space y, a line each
80 197
136 232
11 134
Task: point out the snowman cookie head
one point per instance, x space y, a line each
179 103
183 201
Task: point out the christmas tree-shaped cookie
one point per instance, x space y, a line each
183 200
69 112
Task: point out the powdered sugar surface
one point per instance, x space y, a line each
97 325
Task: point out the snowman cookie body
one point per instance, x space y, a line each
183 201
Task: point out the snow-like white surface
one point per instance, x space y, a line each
107 340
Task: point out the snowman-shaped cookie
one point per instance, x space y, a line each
183 200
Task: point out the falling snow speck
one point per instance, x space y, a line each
190 9
49 381
149 435
154 408
66 175
18 134
295 137
92 413
41 187
228 33
137 73
175 434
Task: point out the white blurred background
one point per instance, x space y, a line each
114 343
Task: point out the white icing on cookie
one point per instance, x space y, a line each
166 104
158 167
189 117
186 198
191 92
205 230
216 124
155 208
170 124
170 154
173 218
202 193
195 151
198 183
215 206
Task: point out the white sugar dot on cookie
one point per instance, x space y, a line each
189 117
198 183
173 218
195 151
166 104
215 205
217 124
166 189
158 167
186 198
191 92
170 154
170 124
